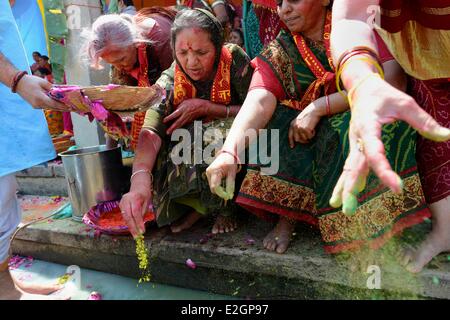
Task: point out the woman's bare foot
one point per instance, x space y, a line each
185 222
436 242
224 224
279 238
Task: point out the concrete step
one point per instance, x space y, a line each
46 179
233 264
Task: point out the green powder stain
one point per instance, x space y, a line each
142 254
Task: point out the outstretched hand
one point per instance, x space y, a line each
377 103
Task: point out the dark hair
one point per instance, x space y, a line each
37 53
231 11
239 31
202 19
128 2
44 71
45 58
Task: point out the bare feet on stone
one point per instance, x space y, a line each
224 224
279 238
436 242
186 222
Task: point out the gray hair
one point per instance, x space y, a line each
118 30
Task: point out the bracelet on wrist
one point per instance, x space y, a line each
143 171
17 77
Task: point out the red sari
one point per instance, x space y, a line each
425 56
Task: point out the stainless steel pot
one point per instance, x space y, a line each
93 174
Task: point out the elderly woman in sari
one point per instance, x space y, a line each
293 91
138 49
208 81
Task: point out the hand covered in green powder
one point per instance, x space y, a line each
376 103
223 167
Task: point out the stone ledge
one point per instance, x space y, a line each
42 186
36 171
227 264
58 169
46 170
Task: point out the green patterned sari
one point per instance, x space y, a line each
181 188
308 173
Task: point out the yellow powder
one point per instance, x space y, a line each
142 254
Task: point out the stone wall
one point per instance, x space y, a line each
45 180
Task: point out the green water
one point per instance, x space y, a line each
110 286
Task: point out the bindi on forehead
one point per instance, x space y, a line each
191 39
187 45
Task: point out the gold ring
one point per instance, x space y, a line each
360 145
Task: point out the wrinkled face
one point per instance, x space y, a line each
123 59
196 53
236 38
300 15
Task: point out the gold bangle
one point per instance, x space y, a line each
366 59
356 51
